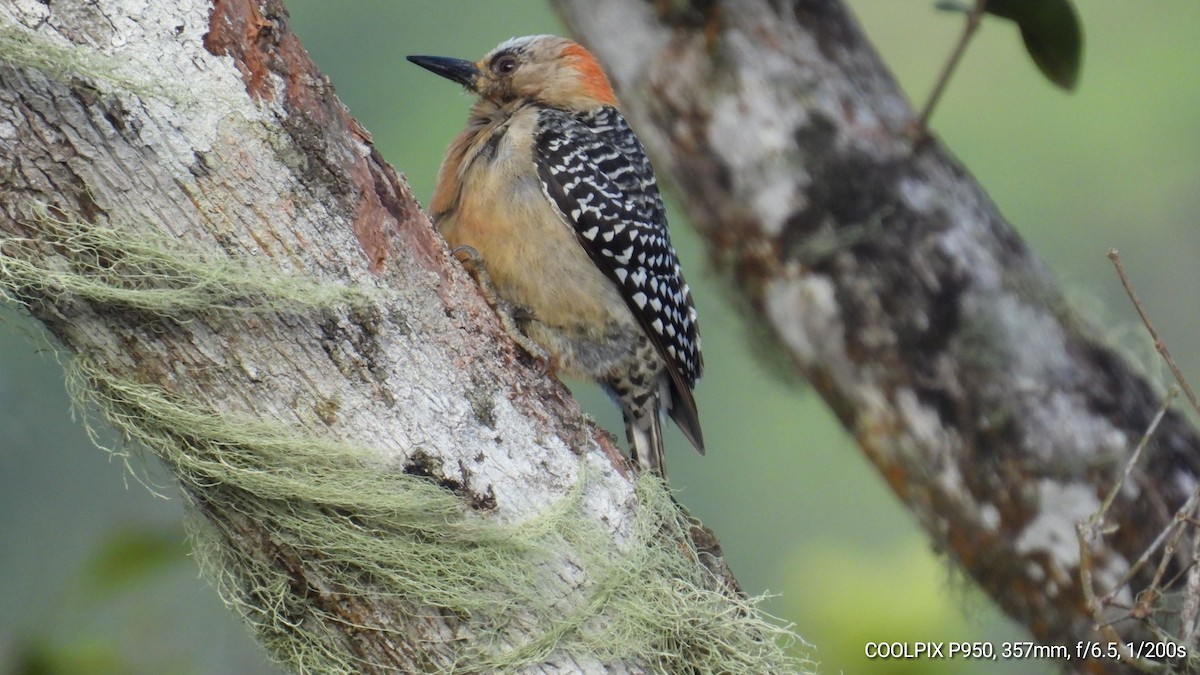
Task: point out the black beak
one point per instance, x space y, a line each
458 70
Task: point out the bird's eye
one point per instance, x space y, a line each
505 64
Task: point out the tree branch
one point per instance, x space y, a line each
898 290
252 294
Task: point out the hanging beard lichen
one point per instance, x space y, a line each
350 532
370 532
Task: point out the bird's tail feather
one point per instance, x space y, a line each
646 443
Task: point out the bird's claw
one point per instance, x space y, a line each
471 259
513 317
467 255
544 359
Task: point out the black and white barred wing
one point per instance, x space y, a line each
595 171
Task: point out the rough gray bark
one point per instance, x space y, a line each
898 290
207 122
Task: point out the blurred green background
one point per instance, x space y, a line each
93 571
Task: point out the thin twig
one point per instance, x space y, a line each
1085 533
1163 536
1137 452
1159 345
1089 533
1191 597
921 126
1095 523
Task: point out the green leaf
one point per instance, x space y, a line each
1052 33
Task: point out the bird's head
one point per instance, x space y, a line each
551 70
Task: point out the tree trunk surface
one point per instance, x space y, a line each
207 126
895 286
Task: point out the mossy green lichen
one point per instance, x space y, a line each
376 532
373 532
131 268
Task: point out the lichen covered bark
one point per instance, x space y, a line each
249 291
898 290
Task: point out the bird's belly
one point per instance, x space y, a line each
536 262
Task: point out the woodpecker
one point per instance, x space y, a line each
551 193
